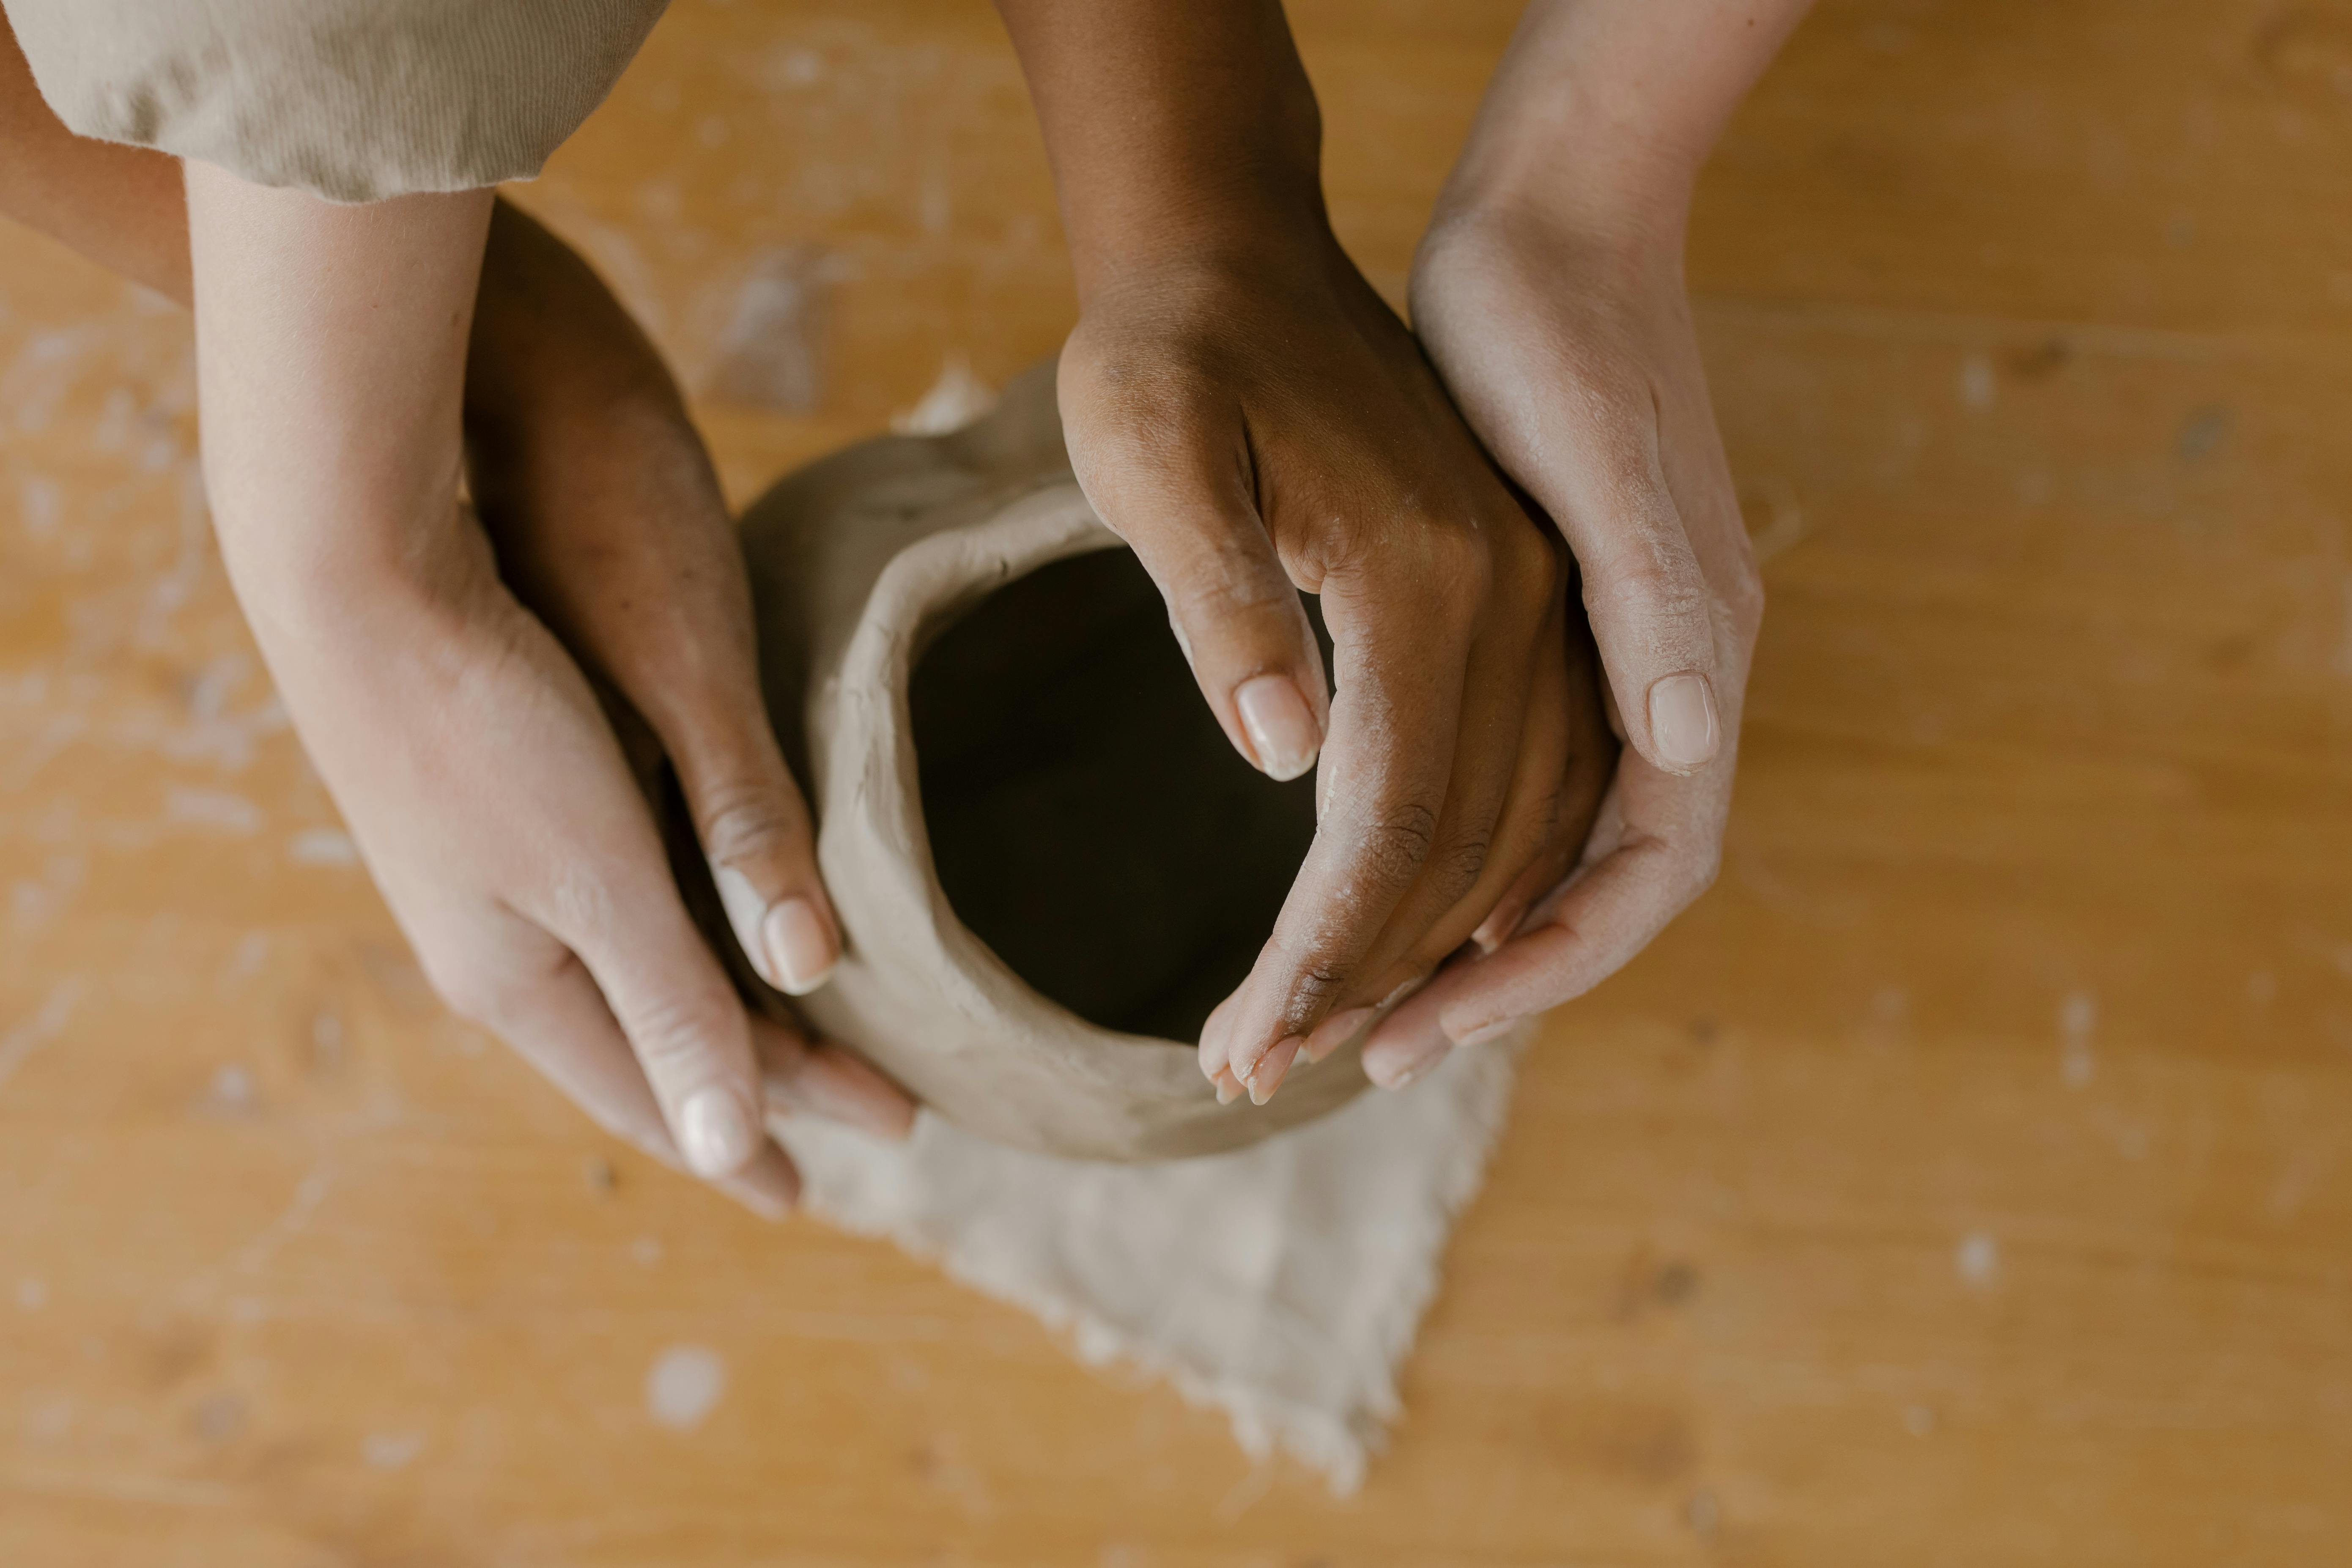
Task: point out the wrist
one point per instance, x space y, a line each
1609 245
1602 111
1176 133
1240 195
1625 200
321 584
1204 275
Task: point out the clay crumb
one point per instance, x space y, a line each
954 401
391 1451
1978 1260
684 1386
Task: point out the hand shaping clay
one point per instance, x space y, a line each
1048 862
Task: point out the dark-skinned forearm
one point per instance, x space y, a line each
1172 130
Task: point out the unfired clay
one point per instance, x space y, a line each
1088 812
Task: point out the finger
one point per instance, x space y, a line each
1213 1066
1213 1039
1405 1048
1179 488
1503 801
1547 871
823 1079
754 828
1402 640
1590 928
1336 1031
1272 1068
563 1027
1600 474
1580 833
1592 753
683 1021
1498 819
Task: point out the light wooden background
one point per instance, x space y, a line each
1967 1179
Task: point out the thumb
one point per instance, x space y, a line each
1179 494
1643 591
754 829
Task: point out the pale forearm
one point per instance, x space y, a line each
1601 111
550 349
330 350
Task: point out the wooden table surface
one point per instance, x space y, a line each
1966 1180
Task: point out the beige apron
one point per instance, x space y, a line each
354 100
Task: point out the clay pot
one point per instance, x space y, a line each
1047 860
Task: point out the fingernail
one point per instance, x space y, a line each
1404 990
1496 930
1486 1032
1213 1041
1280 725
745 910
1412 1075
1242 1069
715 1131
1266 1077
1393 1065
1336 1031
798 946
1682 721
855 1096
1229 1088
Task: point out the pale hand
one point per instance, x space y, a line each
1575 362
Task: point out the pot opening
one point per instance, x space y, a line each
1089 819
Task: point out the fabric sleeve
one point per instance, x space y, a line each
354 100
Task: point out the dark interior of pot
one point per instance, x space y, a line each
1089 819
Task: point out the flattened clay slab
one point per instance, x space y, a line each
1046 858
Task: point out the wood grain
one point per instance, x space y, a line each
1967 1179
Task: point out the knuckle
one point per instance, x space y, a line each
1226 579
1456 866
1744 595
749 823
1532 568
1147 402
581 902
478 990
1396 842
1316 986
1699 872
1317 971
674 1034
1320 979
1651 580
1458 565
